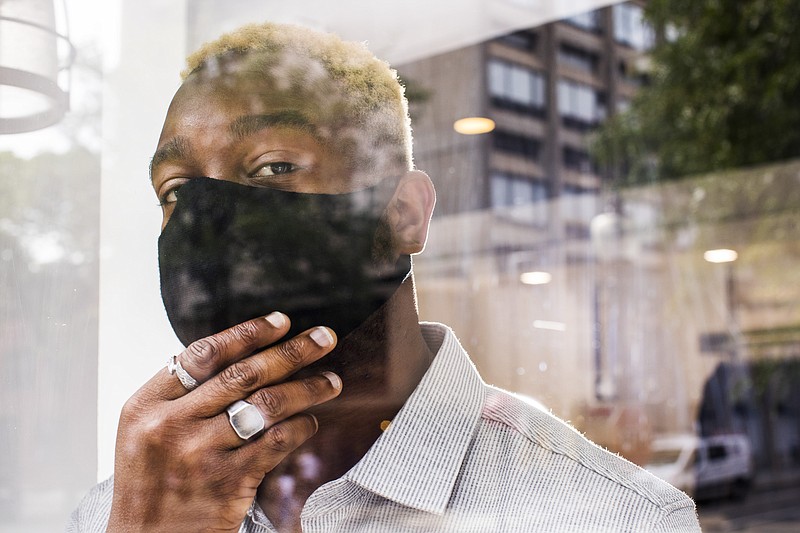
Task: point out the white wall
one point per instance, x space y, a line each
140 78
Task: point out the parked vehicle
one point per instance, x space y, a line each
711 467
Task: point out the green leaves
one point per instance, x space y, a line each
724 92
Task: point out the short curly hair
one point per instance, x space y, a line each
354 98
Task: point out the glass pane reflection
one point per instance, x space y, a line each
591 298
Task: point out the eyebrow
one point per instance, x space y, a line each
178 148
175 149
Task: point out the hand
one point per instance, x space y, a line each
179 464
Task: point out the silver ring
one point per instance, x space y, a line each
245 419
175 369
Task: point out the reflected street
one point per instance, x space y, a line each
767 511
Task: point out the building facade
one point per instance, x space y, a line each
596 300
547 89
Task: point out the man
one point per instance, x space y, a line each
291 209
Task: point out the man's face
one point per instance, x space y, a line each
229 127
243 243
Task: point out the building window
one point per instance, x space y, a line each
580 105
629 74
513 143
519 198
577 58
578 160
630 27
524 40
579 206
589 21
516 87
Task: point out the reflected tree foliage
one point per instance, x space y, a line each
724 82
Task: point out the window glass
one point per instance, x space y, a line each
580 103
717 453
579 205
497 78
519 199
630 27
520 89
516 86
590 20
512 143
577 58
576 159
620 249
524 40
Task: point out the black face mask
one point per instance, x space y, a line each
233 252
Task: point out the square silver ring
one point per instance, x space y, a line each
245 419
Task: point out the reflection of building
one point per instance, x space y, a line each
546 88
658 299
613 339
524 196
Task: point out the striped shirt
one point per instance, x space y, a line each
463 456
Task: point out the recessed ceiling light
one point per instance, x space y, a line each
473 125
722 255
549 324
535 278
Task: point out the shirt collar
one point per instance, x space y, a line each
416 461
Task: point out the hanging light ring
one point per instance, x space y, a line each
58 98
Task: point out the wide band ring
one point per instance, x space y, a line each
245 419
174 368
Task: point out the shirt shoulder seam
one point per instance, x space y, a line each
667 505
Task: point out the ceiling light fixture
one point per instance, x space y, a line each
473 125
721 255
535 278
549 324
34 66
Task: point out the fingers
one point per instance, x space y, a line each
264 453
166 435
206 357
278 404
267 367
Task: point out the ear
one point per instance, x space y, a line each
410 212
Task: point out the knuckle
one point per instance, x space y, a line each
272 404
292 351
132 409
278 438
206 352
312 387
248 332
241 375
197 459
154 430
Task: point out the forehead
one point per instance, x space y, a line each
237 95
278 78
225 98
226 125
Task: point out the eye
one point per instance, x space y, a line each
275 169
170 197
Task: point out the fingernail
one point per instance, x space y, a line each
276 319
322 337
316 422
335 380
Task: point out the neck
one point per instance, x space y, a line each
380 365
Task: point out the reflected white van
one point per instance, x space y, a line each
712 467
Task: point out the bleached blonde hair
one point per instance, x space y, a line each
346 91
